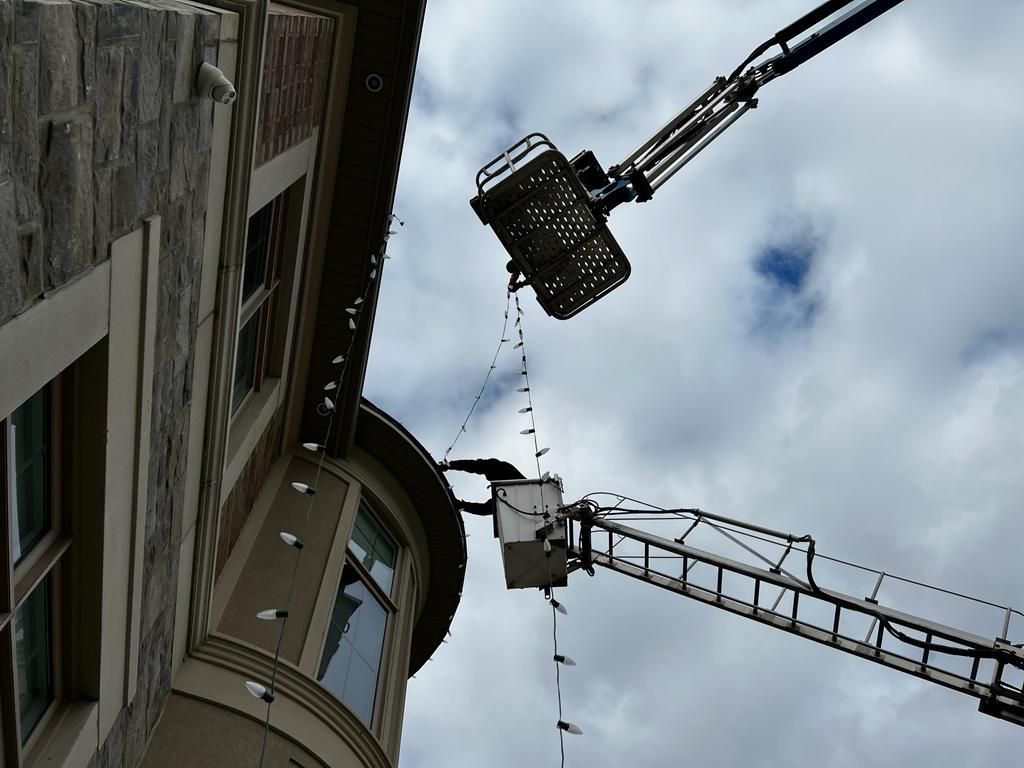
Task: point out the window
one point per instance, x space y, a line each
350 665
37 544
261 278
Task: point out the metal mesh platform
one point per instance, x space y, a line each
539 213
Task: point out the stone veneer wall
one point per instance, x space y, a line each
100 128
236 509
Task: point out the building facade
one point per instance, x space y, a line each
175 280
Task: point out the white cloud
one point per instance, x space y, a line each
889 428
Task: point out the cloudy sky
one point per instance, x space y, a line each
870 393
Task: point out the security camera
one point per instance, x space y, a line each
212 84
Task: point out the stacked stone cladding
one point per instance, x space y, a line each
100 128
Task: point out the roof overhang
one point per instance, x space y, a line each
386 43
415 470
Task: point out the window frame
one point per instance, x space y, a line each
389 602
46 561
264 302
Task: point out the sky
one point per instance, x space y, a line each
822 333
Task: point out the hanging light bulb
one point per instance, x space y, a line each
351 310
351 324
547 547
504 340
358 301
314 447
561 659
526 431
270 614
373 273
525 410
545 477
517 346
569 728
330 385
338 360
523 389
541 452
373 259
328 403
259 691
558 606
291 539
303 488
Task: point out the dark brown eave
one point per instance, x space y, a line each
408 462
386 43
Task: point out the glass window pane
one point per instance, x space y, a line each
256 245
33 646
29 452
374 549
245 362
355 638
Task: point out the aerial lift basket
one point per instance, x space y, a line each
526 513
536 204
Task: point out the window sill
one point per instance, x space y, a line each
246 429
70 738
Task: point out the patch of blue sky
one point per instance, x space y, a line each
992 343
783 301
786 266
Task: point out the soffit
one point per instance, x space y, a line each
386 41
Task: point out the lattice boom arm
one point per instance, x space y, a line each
964 661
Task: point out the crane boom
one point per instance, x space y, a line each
544 541
683 137
946 655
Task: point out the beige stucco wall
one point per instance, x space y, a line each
257 576
265 576
197 734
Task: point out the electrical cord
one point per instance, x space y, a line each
504 500
558 682
554 638
487 378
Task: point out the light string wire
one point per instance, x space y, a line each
558 682
324 408
554 640
487 378
525 373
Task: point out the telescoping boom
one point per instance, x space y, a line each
551 213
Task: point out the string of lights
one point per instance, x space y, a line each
326 408
525 373
494 364
559 659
